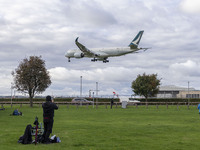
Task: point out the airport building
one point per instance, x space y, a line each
172 91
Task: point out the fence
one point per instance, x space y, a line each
107 104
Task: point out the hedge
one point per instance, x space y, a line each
168 100
69 99
57 99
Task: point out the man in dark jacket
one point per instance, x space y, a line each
111 103
48 114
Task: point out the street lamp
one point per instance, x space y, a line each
93 99
96 88
188 91
80 86
11 88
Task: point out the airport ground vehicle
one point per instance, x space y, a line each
133 102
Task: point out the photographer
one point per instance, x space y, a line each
111 103
48 114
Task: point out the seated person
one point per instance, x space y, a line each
16 112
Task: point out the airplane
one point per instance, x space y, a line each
102 54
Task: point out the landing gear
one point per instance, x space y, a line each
94 59
105 61
68 59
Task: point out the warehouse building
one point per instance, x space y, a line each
172 91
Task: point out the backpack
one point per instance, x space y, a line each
27 137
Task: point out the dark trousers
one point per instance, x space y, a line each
48 125
111 104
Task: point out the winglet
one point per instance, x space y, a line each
76 39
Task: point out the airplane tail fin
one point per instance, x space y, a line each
134 44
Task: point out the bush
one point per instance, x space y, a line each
69 99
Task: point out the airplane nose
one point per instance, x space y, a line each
66 54
69 53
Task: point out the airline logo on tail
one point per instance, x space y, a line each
134 44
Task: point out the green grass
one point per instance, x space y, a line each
113 129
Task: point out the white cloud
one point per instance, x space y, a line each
109 79
188 68
109 74
49 28
5 79
190 6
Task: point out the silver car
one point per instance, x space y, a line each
81 101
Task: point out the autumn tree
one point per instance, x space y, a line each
31 77
146 85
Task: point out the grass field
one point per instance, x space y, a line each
113 129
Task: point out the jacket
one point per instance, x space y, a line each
48 110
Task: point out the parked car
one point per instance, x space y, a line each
81 101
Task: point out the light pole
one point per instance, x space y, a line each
96 94
96 88
80 86
11 93
93 99
188 91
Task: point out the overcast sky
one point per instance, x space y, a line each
49 28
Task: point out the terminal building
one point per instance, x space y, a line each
172 91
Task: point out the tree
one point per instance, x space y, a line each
146 85
31 77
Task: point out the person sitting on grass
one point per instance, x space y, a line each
199 109
16 112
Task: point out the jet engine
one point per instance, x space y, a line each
78 55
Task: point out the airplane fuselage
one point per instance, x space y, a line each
113 51
102 54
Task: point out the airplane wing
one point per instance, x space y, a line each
84 49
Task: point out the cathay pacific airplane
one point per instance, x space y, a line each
102 54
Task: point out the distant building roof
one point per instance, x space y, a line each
174 88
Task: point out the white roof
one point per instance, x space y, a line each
174 88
